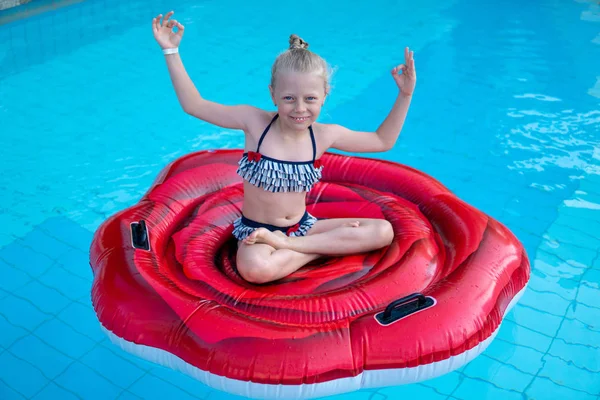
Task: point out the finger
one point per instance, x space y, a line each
173 25
166 18
412 55
406 54
157 23
180 29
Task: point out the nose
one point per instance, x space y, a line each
300 106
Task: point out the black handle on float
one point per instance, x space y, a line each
408 299
404 307
139 235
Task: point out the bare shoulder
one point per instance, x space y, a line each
257 121
326 135
253 116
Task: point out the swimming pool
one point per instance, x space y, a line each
505 115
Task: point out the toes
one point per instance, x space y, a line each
255 236
251 238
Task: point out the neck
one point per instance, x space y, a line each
288 134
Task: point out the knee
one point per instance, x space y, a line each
259 271
384 232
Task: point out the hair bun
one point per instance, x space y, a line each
296 42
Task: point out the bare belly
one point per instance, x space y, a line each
279 209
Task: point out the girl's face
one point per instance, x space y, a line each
299 98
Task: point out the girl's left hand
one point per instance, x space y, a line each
405 74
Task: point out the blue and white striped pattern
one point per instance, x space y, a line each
241 231
277 176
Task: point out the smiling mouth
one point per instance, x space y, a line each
299 119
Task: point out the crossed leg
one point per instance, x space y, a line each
266 256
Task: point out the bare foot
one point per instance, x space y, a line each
279 233
263 235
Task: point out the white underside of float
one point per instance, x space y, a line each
367 379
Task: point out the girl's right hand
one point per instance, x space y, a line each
163 31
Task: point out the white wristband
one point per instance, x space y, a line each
171 51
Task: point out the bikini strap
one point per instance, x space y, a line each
265 132
314 144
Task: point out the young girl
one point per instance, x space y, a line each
281 163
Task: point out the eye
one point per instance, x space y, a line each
311 98
288 98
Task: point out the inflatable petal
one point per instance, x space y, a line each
168 289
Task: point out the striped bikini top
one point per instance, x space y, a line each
275 175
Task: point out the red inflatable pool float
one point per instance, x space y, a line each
166 287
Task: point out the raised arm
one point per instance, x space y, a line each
233 117
387 134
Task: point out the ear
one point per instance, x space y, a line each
272 94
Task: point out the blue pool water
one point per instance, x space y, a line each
506 114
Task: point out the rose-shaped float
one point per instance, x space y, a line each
166 287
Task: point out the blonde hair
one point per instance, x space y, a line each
297 58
